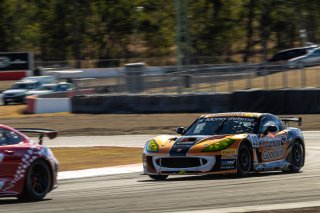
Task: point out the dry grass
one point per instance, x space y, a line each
18 111
6 84
96 157
119 124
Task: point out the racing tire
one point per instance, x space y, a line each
244 161
297 157
158 177
37 183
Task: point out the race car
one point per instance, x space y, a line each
238 143
28 169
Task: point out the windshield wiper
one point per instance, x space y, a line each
220 126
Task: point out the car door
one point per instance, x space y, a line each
313 58
272 145
10 153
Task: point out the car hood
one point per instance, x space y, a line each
38 92
180 145
12 91
297 59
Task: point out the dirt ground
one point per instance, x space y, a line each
68 124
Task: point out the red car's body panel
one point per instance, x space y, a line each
15 160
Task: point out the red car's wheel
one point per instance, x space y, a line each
37 183
244 161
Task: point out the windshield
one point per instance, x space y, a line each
47 87
24 86
223 125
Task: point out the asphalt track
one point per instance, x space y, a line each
136 193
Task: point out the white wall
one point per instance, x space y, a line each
50 105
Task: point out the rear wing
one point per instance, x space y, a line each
286 120
51 134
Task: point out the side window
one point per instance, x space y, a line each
265 122
278 123
8 137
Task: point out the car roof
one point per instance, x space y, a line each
26 82
234 114
298 48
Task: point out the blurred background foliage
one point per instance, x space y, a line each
222 30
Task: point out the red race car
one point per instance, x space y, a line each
28 169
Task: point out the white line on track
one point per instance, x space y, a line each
114 170
258 207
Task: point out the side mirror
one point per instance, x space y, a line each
180 130
271 128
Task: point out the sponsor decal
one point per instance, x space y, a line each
229 152
254 139
228 164
266 141
273 154
243 119
272 142
1 157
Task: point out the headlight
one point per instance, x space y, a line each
152 146
219 145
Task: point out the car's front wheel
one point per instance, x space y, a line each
158 177
37 182
244 161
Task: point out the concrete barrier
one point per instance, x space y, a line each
52 105
36 105
52 102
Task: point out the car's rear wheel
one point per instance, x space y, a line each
297 157
37 183
244 161
158 177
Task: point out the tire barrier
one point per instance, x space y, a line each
287 101
187 103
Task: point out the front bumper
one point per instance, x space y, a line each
18 98
166 165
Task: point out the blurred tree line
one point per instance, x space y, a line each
106 30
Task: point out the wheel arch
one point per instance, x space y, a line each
50 170
246 142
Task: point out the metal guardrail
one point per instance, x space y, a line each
207 80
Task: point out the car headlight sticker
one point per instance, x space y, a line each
152 146
219 145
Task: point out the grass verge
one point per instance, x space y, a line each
95 157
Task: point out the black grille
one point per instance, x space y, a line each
180 162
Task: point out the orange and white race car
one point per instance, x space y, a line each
238 143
